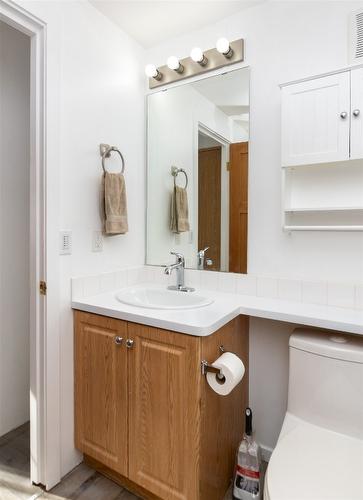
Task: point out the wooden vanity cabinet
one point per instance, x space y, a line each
145 415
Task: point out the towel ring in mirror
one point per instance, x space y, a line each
105 151
175 171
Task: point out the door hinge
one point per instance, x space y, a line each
43 288
228 166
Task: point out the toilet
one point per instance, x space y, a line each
319 453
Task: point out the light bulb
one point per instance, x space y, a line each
224 48
173 63
151 71
198 56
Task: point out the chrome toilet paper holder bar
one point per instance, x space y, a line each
206 367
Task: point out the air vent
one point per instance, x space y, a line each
356 37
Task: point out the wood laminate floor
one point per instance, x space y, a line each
82 483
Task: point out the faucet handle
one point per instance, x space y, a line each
179 256
202 252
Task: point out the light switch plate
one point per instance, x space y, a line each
97 241
65 243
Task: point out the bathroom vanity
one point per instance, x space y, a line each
145 415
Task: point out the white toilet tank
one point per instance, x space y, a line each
326 380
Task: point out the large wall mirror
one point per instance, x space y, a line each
197 173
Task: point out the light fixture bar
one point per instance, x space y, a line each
191 68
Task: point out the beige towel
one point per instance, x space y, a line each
115 204
179 217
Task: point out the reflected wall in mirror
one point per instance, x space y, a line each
197 171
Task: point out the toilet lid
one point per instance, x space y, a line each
312 463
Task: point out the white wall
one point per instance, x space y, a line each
102 101
95 85
284 41
14 227
269 371
173 118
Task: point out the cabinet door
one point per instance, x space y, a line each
101 390
356 140
222 416
164 402
315 120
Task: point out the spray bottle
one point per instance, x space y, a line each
247 485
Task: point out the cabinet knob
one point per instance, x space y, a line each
343 115
118 340
356 112
129 343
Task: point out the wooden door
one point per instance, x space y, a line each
356 114
315 120
164 402
209 204
238 207
101 407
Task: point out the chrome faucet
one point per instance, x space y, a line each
179 267
201 257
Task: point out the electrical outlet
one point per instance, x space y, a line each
65 242
97 241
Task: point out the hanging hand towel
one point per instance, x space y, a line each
179 216
115 204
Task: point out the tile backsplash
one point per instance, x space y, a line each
346 295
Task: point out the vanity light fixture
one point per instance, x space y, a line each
174 63
198 56
224 47
151 71
200 61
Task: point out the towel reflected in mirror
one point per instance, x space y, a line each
179 212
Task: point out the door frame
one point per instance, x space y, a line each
224 143
44 329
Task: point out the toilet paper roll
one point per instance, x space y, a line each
232 368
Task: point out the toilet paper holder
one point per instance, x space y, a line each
206 367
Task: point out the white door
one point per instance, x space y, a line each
44 330
356 135
315 120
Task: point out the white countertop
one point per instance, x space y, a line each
226 306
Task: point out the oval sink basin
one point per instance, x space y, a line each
156 298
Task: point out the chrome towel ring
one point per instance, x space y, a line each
105 152
175 171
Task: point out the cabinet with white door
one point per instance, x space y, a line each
356 114
315 120
322 152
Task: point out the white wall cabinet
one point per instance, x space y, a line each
356 114
315 120
322 152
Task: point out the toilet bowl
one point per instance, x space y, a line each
319 453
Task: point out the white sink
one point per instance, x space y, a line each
160 298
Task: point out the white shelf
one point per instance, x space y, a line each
322 209
354 163
323 228
323 198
